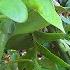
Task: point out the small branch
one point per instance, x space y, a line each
21 60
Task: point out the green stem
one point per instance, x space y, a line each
21 60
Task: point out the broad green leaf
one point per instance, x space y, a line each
34 23
42 37
4 36
67 28
47 10
46 63
59 67
3 41
25 65
15 10
7 25
19 42
31 54
28 65
51 56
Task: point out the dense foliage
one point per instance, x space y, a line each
35 35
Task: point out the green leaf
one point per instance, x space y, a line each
7 25
34 23
5 29
25 65
3 41
30 54
47 10
42 37
51 56
8 66
15 10
37 66
59 67
46 63
19 42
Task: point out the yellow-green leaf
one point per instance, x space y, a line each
47 10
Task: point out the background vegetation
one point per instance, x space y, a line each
35 35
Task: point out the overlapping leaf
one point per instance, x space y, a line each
3 41
51 56
20 42
42 37
46 9
34 23
14 9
